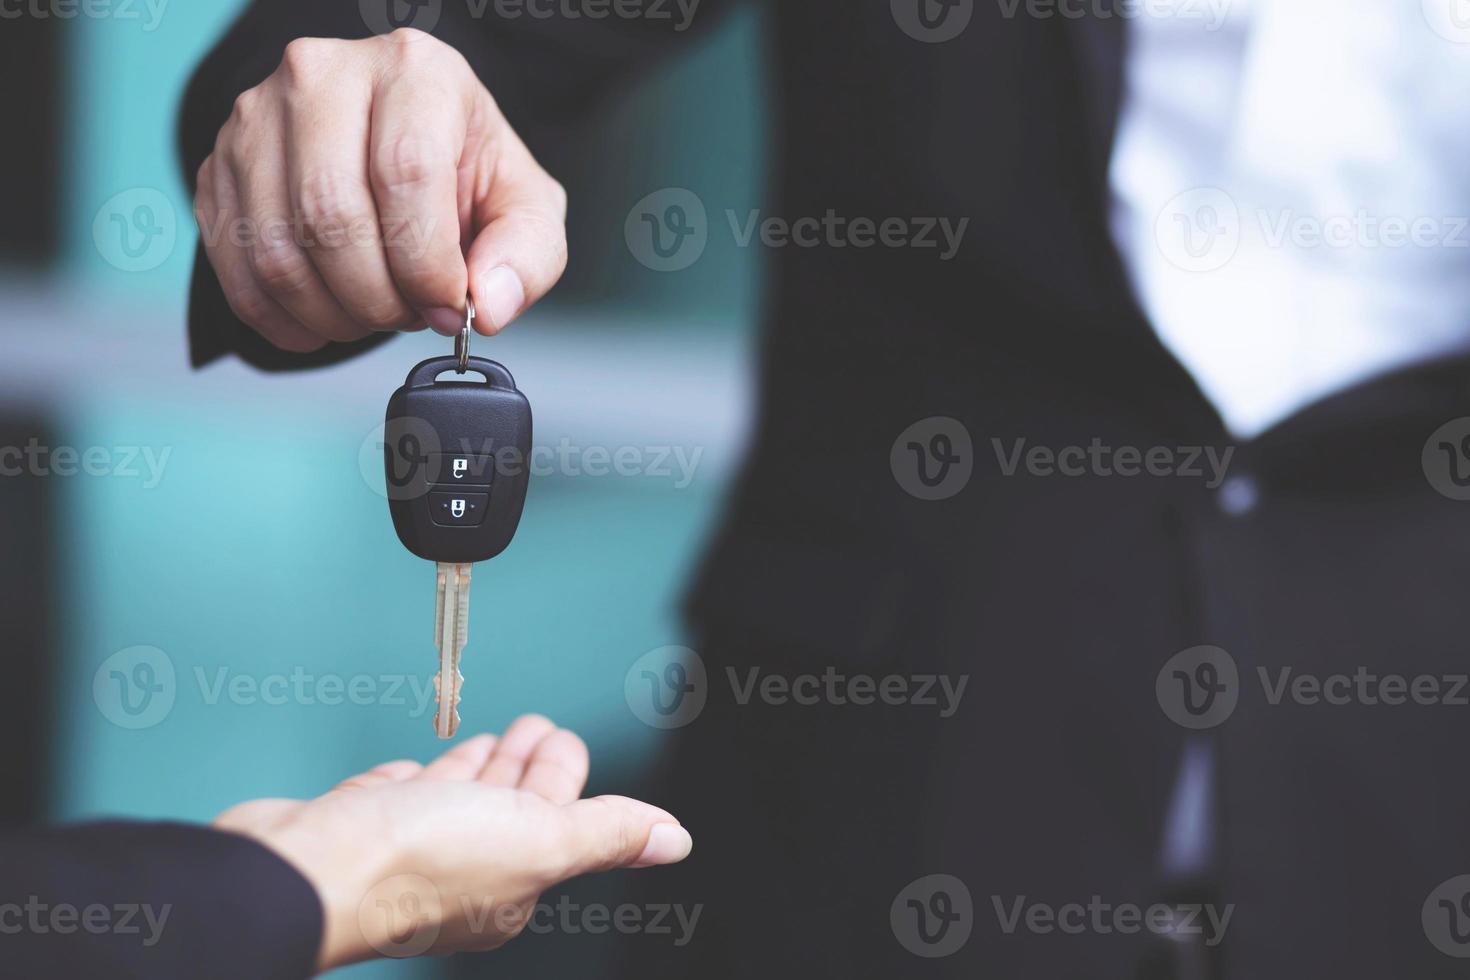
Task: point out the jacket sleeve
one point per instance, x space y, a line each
157 900
538 67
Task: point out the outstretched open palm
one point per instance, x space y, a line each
449 856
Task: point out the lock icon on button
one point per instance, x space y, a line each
456 507
461 467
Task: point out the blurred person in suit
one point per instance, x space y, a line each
1161 421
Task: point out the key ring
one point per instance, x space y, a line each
462 342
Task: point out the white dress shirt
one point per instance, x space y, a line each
1291 191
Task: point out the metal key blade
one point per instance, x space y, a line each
451 627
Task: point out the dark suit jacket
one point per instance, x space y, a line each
1060 598
1007 127
147 900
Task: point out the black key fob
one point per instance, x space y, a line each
457 452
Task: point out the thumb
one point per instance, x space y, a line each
615 832
520 248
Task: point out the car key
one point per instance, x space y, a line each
457 453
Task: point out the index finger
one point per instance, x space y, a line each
557 768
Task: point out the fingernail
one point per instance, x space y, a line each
667 843
445 320
500 298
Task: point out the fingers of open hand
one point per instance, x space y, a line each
397 771
533 755
557 768
507 764
463 762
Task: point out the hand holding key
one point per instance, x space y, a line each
466 843
369 185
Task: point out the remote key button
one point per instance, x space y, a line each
461 469
451 509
